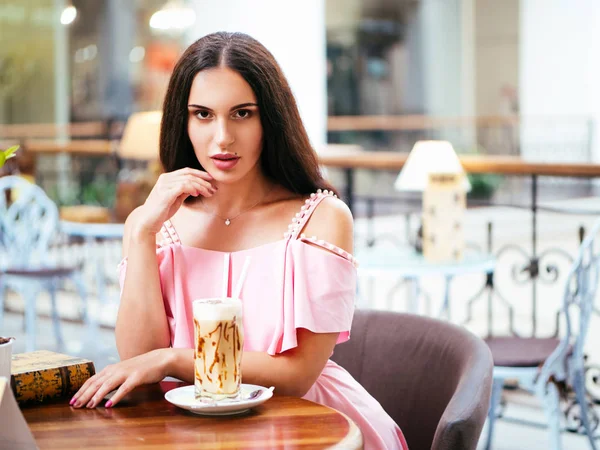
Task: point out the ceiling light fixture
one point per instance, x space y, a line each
174 16
68 15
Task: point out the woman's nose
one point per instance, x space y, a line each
224 137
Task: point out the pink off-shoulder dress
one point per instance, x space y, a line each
296 282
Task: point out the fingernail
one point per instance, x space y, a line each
72 402
90 404
108 404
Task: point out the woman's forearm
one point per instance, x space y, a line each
281 371
258 368
141 322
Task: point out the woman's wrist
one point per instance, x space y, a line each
143 224
141 233
165 358
178 363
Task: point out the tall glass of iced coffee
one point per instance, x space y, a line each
219 338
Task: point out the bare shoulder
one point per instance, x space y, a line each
332 222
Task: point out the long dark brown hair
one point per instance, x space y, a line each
287 156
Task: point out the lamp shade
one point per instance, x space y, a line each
425 158
141 136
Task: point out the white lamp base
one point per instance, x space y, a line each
444 202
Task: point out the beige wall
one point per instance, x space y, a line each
27 44
496 54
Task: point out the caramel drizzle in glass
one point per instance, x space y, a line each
224 333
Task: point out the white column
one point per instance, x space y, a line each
441 39
559 75
116 42
441 44
467 57
61 66
61 96
294 32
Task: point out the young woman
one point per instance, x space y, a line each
240 178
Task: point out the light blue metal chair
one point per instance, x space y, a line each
564 362
27 226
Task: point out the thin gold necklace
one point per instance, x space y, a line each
228 220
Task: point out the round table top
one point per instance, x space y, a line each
144 417
407 262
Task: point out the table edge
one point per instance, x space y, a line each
354 438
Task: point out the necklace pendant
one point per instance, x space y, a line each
227 222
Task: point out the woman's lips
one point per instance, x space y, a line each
225 162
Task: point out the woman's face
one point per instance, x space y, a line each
224 124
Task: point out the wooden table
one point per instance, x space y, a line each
146 419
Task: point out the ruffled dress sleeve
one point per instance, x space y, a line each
319 294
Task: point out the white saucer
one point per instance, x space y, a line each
184 397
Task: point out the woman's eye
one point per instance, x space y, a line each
242 113
203 114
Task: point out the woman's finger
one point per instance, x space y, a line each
196 181
129 384
204 188
87 385
174 193
171 188
204 183
110 384
195 172
83 396
200 173
190 188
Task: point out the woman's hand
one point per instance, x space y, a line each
126 375
168 195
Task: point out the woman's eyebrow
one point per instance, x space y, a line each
241 105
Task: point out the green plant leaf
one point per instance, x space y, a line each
10 152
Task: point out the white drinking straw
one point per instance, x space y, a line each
240 283
225 275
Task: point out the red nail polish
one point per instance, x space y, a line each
72 402
108 404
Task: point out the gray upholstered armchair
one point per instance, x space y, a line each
432 377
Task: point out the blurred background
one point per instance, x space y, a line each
493 77
513 85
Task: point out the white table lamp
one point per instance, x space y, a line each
434 169
141 136
425 158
